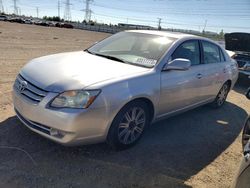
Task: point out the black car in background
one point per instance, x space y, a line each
243 177
17 20
239 43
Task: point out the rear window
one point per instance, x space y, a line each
211 52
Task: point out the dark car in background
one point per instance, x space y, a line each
239 43
243 176
64 25
17 20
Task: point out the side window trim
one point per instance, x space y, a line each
190 40
222 56
201 52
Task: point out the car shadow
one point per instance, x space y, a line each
170 152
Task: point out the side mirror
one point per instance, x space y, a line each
178 64
248 93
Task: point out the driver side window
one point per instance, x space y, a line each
188 50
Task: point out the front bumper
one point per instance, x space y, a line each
74 126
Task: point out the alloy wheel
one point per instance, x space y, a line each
132 125
222 94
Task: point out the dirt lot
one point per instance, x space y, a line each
200 148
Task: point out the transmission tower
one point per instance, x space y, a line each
67 14
37 12
1 6
15 7
87 10
58 8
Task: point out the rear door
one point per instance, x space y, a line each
214 69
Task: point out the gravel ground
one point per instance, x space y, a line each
200 148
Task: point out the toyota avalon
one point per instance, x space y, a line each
115 89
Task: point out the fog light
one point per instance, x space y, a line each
53 132
56 133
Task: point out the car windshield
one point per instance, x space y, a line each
133 48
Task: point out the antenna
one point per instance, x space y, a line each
87 10
1 6
15 7
67 14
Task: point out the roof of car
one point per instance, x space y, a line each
163 33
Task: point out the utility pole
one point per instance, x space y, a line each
87 10
15 7
67 14
58 8
159 23
205 25
37 12
1 6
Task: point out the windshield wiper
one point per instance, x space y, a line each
107 56
115 59
87 50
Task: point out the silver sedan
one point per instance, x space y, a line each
113 90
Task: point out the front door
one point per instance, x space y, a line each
181 89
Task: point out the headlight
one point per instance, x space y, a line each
75 99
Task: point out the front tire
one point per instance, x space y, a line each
128 126
222 96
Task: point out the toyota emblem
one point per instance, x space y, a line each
22 86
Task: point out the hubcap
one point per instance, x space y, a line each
131 125
222 95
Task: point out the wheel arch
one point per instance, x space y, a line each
229 82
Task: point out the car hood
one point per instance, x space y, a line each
74 70
239 42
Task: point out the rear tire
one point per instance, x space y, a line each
128 126
222 96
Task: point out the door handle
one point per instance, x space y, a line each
199 76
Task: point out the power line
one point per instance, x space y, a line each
169 22
184 13
67 13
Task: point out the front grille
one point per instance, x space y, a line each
28 90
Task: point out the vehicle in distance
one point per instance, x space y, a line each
3 18
113 90
239 43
